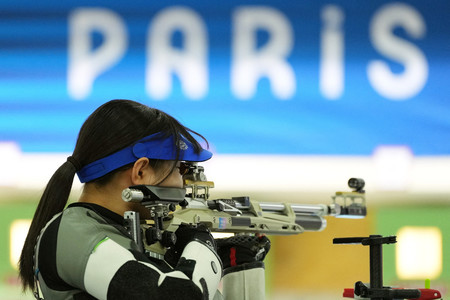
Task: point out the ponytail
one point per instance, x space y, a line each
52 202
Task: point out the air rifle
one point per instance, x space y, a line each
170 207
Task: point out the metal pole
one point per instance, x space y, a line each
376 265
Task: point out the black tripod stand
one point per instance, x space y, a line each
376 290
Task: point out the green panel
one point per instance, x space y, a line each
10 211
388 222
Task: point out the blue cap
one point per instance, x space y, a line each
155 146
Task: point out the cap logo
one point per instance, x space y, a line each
183 146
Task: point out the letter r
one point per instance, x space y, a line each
249 64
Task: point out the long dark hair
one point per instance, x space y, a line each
111 127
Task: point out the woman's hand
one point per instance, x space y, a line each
185 234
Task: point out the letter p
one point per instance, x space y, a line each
85 64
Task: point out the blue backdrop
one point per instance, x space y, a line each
318 89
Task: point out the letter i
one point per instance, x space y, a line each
331 82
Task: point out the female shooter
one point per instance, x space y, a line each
83 251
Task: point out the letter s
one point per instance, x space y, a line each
412 80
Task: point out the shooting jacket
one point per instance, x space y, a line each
86 253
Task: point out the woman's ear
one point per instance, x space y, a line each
142 172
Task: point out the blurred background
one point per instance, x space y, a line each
294 97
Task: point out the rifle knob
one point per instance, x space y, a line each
173 207
184 203
168 239
153 235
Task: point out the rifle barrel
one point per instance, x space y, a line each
308 209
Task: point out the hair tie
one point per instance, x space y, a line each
74 163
